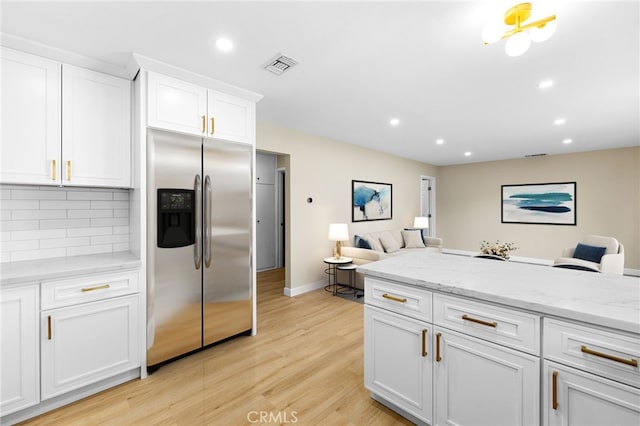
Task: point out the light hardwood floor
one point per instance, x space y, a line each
304 367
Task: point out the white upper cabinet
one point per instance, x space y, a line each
63 125
184 107
96 129
30 119
177 105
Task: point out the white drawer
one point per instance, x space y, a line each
403 299
56 294
606 353
504 326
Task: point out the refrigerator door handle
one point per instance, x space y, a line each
197 247
207 218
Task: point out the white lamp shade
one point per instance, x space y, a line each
544 33
421 222
338 232
517 44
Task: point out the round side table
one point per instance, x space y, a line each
351 269
333 263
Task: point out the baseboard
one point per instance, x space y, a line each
296 291
546 262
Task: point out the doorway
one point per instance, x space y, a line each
428 202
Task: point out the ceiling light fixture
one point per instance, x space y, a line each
567 141
224 44
559 121
518 33
394 121
467 154
545 84
439 141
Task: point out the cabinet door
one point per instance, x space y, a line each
231 118
96 129
19 361
87 343
481 383
584 399
395 366
30 119
176 105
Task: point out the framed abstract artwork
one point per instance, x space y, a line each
370 201
539 203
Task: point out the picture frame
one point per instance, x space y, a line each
371 201
552 203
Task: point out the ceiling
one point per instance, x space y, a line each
363 63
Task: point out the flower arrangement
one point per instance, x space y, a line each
497 248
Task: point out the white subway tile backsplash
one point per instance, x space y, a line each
38 222
67 205
109 204
19 225
64 223
90 195
38 214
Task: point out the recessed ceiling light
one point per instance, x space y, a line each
559 121
224 44
467 154
394 121
439 141
545 84
567 141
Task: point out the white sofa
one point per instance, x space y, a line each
612 261
382 246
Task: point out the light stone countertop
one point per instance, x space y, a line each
602 299
33 271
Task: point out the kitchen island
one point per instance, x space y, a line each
457 340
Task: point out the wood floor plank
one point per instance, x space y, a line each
305 364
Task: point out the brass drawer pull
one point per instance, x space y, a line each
488 324
554 390
99 287
213 125
438 357
395 299
204 124
68 169
632 362
53 170
49 327
424 342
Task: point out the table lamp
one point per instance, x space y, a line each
421 222
338 232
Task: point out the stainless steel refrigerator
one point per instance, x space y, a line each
199 248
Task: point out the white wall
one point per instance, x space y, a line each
607 193
322 169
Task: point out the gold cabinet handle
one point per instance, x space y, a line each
204 124
68 169
53 170
554 390
395 299
99 287
478 321
438 357
49 327
424 342
213 125
632 362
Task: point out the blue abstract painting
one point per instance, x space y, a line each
540 203
370 201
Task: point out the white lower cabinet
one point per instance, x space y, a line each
577 398
87 343
398 361
481 383
19 361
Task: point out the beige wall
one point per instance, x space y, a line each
322 169
608 197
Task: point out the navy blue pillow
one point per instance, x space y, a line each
589 253
361 242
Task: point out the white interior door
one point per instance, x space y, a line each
427 203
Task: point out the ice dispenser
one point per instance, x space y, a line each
176 217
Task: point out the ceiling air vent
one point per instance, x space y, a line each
535 155
280 64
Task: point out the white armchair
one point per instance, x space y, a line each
612 260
